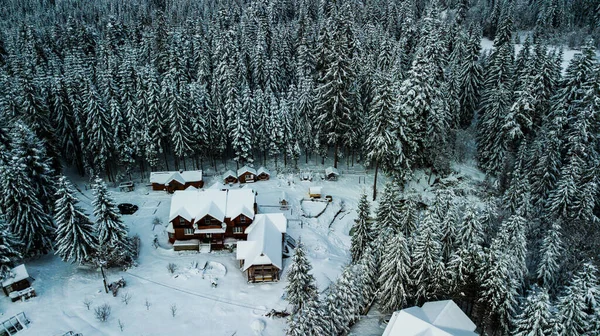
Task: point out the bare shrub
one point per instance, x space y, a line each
121 325
125 298
172 267
102 312
173 310
87 302
147 304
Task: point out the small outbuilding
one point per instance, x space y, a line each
315 192
229 177
442 318
284 202
18 284
262 174
176 180
332 174
246 174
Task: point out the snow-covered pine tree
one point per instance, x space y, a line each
74 239
361 238
24 214
394 277
100 146
551 256
337 318
301 284
511 239
275 129
428 271
241 136
535 318
470 78
388 214
572 309
115 247
9 249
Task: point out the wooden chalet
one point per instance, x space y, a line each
284 202
18 284
246 174
172 181
229 177
332 174
260 256
205 218
262 174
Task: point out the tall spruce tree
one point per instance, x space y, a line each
301 286
361 238
9 249
75 240
394 278
535 318
114 246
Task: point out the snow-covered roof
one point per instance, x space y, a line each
191 188
438 318
187 242
240 202
181 176
16 274
315 190
205 231
263 246
229 173
196 204
263 170
331 170
246 169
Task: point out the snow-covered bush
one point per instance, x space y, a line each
102 312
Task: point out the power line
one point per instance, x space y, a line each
212 298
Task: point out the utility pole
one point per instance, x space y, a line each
103 276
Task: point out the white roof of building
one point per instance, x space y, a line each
219 204
196 204
16 274
240 202
181 176
263 170
331 170
246 169
229 173
438 318
263 246
315 190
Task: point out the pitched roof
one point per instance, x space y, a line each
181 176
315 190
263 246
240 202
263 170
196 204
16 274
331 170
229 173
443 318
246 169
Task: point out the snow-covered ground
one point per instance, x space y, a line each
233 307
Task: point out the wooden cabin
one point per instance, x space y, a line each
332 174
172 181
284 203
262 174
18 284
208 217
315 192
229 177
246 174
261 255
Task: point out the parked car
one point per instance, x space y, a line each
127 208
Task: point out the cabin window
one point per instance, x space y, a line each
249 176
242 219
207 220
180 221
209 235
188 232
238 229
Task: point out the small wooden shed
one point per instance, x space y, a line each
315 192
229 177
262 174
332 174
18 284
246 174
284 202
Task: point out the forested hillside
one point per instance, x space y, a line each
117 88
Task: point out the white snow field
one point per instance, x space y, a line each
233 307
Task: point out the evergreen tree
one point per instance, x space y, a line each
388 216
74 233
9 249
361 238
535 318
551 255
115 248
470 79
394 275
428 272
301 285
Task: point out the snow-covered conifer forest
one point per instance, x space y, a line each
408 90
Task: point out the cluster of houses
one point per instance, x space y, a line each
213 219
